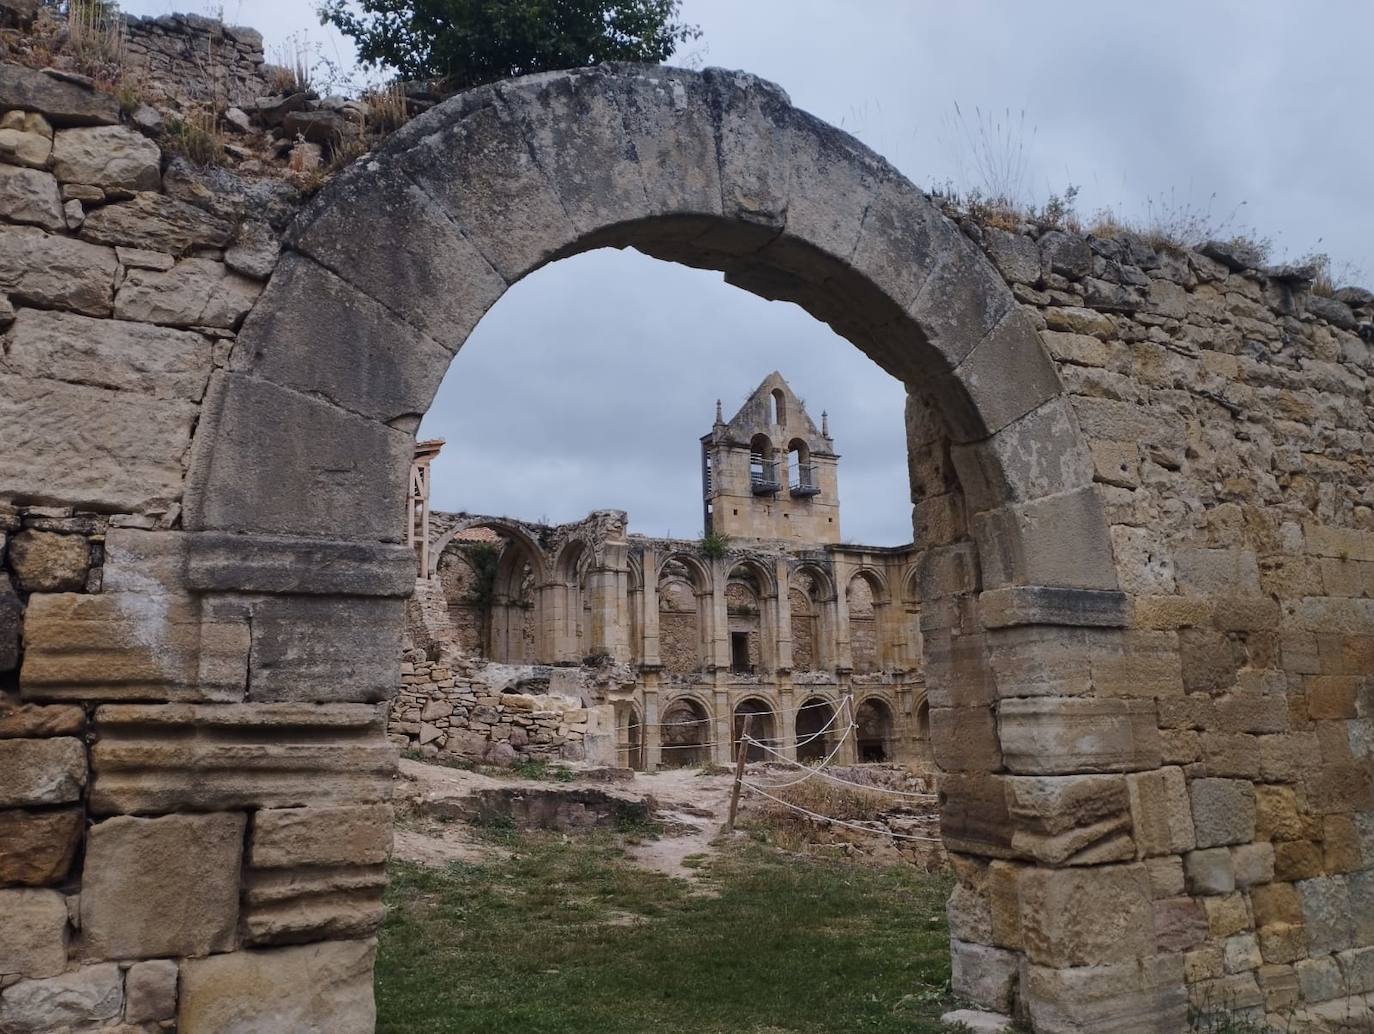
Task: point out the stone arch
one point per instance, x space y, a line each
763 726
876 718
305 438
687 727
502 526
817 727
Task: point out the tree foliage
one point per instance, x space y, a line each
471 42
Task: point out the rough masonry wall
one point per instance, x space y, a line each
191 58
1228 417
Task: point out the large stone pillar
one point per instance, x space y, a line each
782 618
652 732
648 601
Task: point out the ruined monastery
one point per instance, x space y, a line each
662 648
1133 636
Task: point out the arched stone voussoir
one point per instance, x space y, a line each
1056 540
270 460
315 333
388 238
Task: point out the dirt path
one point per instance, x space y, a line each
691 807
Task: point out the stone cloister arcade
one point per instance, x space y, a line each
771 629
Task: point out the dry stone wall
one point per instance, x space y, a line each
1143 494
192 58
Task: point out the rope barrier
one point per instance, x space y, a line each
839 822
846 782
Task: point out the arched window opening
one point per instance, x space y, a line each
874 733
685 739
805 656
801 473
762 727
489 586
680 638
777 408
631 745
763 467
744 620
863 626
816 730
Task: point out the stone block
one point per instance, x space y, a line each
973 815
1038 660
288 837
1206 572
1055 735
322 649
196 292
1179 924
1015 255
37 847
1162 822
431 258
109 157
134 646
33 937
965 738
1241 953
1280 986
1319 979
1326 914
1137 997
1019 605
1012 382
56 272
85 997
122 356
969 915
1209 871
321 988
131 445
150 991
317 334
269 460
1058 540
30 196
163 886
1166 876
48 771
1253 864
155 222
983 975
1276 903
61 101
1283 943
258 756
977 1021
217 562
1223 811
1276 813
47 562
1360 886
25 721
1227 915
25 139
1075 917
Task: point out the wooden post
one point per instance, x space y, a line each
739 771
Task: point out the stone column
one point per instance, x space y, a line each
723 724
720 620
648 600
782 618
848 753
651 733
787 718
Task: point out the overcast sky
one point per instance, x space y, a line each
589 384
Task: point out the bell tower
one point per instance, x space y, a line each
768 473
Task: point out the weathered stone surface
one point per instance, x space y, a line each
1015 255
1253 863
155 222
1058 540
1064 734
30 196
288 906
1075 917
1209 871
78 999
50 771
1326 914
37 847
229 196
310 648
983 975
280 564
33 939
1179 924
260 755
1137 997
114 354
25 139
254 250
196 292
314 989
1070 819
11 621
132 646
164 886
1223 811
321 836
241 487
1160 812
150 991
109 157
62 102
56 272
977 1021
1066 254
47 562
19 721
335 331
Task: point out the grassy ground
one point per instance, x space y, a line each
565 937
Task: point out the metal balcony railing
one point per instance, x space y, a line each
803 481
763 475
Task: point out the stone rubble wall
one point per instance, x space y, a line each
192 58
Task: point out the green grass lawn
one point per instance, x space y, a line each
566 937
